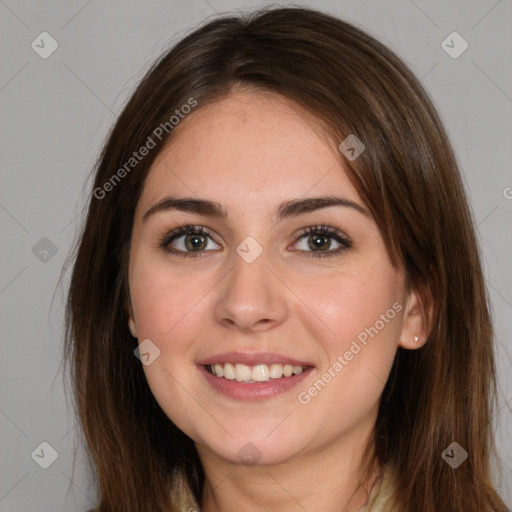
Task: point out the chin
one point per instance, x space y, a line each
253 450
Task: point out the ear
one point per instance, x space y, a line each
417 320
132 326
131 321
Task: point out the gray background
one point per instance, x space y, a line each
56 113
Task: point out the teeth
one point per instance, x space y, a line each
260 373
257 373
219 370
276 371
242 372
229 371
287 370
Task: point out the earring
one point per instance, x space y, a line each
416 339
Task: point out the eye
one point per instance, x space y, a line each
194 240
318 238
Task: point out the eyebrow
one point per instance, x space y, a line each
285 210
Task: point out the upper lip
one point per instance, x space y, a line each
252 359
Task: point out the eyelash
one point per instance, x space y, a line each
324 230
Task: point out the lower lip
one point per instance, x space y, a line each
255 390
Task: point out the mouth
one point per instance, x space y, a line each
255 373
255 382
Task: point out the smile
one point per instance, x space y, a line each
238 382
252 374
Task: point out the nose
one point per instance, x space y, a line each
252 297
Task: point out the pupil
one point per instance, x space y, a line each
319 241
195 242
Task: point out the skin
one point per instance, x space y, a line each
250 151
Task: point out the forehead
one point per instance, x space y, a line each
254 148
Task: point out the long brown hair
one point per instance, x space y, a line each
407 176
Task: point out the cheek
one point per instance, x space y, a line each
164 298
168 312
351 301
363 314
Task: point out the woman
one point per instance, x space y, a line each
277 301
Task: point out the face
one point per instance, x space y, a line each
312 288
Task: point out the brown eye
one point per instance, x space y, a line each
320 239
186 240
194 242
